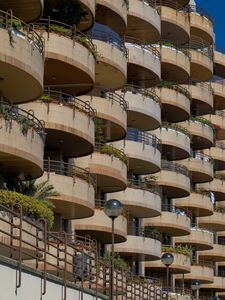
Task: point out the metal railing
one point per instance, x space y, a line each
220 145
202 263
168 44
143 45
135 89
110 38
175 127
220 113
174 167
176 210
134 230
70 100
201 156
146 185
174 4
26 119
68 169
13 25
71 258
203 85
143 137
198 44
176 87
202 12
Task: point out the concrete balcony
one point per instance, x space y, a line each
111 69
111 108
218 155
200 167
144 107
175 102
22 141
218 120
109 164
215 221
181 263
175 23
99 226
143 20
143 150
217 186
76 129
199 203
174 180
89 8
218 285
202 25
173 221
202 133
112 14
175 141
21 60
219 94
202 98
26 10
141 245
148 195
75 187
216 254
219 63
175 62
144 66
199 238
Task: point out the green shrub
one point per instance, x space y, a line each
108 149
179 249
119 262
46 99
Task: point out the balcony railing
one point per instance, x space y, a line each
220 145
203 157
143 137
175 127
174 167
143 45
200 11
173 46
175 210
200 45
146 185
176 87
134 230
174 4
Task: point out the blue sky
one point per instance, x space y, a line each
217 9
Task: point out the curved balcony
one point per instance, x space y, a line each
76 129
218 284
144 107
75 187
26 10
218 155
216 254
110 166
202 132
21 60
111 108
202 271
112 14
111 69
200 167
144 66
175 22
202 24
148 195
215 221
201 59
199 203
21 143
175 141
218 120
173 221
174 180
143 150
87 22
175 100
69 50
199 239
141 244
181 263
217 186
202 98
175 62
219 59
143 20
99 226
219 94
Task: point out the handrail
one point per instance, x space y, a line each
221 241
26 119
204 85
198 44
172 208
202 263
201 156
134 230
10 22
175 167
220 113
171 45
176 127
66 30
70 100
108 37
143 44
68 169
195 227
176 87
146 185
203 122
220 145
146 138
149 93
202 12
174 4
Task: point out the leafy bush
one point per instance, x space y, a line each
179 249
204 122
119 262
30 205
46 99
108 149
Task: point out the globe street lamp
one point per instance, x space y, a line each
113 209
167 259
195 286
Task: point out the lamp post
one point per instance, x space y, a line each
113 209
195 286
167 259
